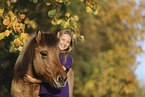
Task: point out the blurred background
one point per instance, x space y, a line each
109 42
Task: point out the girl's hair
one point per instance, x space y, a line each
64 53
68 32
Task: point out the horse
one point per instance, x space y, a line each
70 75
39 58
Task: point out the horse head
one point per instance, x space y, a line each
40 58
46 62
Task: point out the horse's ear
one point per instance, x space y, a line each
38 36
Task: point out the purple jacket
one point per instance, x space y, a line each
45 88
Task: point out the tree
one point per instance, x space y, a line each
16 18
111 41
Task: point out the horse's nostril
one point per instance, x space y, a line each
60 79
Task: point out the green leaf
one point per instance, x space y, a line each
74 23
12 48
56 22
62 23
16 36
2 35
53 22
35 1
51 13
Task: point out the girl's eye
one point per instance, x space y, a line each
68 42
63 39
43 54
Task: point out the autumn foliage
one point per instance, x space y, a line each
105 59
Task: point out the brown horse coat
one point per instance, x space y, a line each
39 58
70 75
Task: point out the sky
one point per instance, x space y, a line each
140 71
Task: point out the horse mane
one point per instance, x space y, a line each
25 57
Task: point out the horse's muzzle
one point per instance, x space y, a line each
60 82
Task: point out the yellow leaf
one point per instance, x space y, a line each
18 29
1 11
67 14
8 3
20 25
13 1
33 24
17 42
24 35
13 17
59 21
10 25
24 41
88 9
66 25
74 36
15 24
60 1
7 33
27 21
10 13
6 21
72 18
48 4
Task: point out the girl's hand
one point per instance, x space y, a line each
30 80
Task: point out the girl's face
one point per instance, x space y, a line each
64 41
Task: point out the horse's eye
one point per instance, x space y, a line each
43 54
